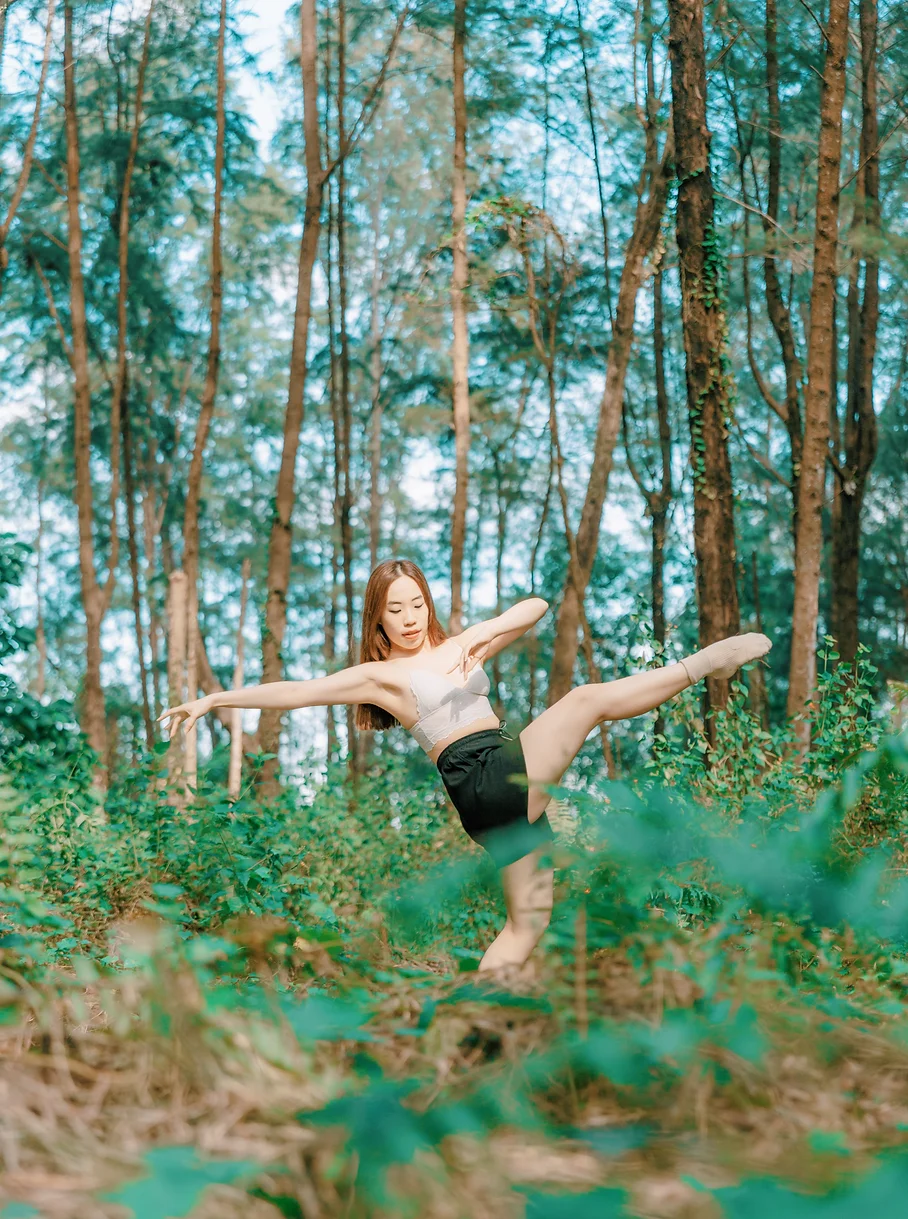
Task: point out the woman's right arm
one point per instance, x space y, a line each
357 684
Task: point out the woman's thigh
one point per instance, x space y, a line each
552 741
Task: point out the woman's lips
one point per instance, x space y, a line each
410 634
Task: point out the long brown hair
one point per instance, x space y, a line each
375 643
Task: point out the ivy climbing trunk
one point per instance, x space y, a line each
703 323
818 395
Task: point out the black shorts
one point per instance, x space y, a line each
485 776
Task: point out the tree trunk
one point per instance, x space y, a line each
234 774
119 408
177 606
129 478
703 322
647 219
779 314
92 709
375 376
206 405
29 150
860 421
279 543
346 533
802 673
460 348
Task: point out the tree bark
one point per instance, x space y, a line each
29 149
346 531
811 492
779 314
235 771
130 488
703 322
279 544
209 393
647 218
860 431
375 376
177 606
658 499
93 598
460 348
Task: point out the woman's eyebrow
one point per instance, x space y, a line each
419 598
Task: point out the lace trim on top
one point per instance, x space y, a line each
444 707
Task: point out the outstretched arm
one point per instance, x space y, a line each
357 684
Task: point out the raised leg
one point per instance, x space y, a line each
554 738
528 890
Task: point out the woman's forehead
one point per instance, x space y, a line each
404 588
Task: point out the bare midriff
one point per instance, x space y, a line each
400 702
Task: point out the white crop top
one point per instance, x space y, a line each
444 707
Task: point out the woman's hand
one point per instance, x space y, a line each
474 643
186 714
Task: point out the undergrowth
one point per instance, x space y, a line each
268 1008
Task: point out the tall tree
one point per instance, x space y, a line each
209 393
818 396
651 198
460 349
703 323
860 430
280 538
28 151
95 597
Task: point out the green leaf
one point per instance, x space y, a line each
177 1180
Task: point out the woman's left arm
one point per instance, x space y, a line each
488 638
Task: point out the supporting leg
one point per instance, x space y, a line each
528 893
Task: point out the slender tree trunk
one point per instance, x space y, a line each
331 616
209 394
594 139
802 673
235 772
663 498
460 348
779 314
129 479
279 543
119 406
280 539
346 531
757 683
149 548
375 376
703 323
647 219
93 716
28 151
177 607
860 420
40 685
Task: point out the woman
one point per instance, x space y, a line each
413 674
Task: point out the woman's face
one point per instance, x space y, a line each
406 615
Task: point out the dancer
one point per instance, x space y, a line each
413 674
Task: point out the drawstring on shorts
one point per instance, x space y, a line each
506 735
